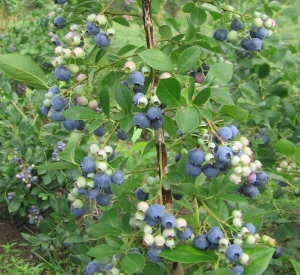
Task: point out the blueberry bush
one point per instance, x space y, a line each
175 154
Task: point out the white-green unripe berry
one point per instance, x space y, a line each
246 171
250 239
101 19
79 90
237 214
238 241
159 240
148 239
209 157
244 259
237 222
257 22
244 231
101 155
133 224
283 164
108 150
47 102
236 179
232 36
110 33
90 183
150 180
109 172
155 101
74 192
238 170
169 233
258 164
211 145
200 141
74 27
223 242
252 166
148 229
81 182
58 50
71 197
256 14
236 16
79 52
170 243
94 148
264 17
268 23
244 141
67 53
235 160
181 224
74 69
143 206
145 188
165 75
114 271
139 215
142 102
146 70
129 67
228 8
247 151
101 166
76 40
245 159
77 204
91 17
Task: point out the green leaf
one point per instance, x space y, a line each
165 31
69 152
187 119
126 123
260 258
99 230
219 73
14 206
80 113
104 101
57 166
220 271
202 97
285 147
22 68
221 96
169 125
296 266
191 88
188 59
124 98
233 197
168 91
205 113
175 177
187 254
157 59
74 238
264 70
103 251
122 21
198 16
234 111
133 263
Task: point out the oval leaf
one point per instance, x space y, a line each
219 73
124 98
133 263
22 68
157 59
80 113
285 147
187 119
188 59
103 250
168 91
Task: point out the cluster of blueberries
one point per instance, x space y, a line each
95 180
223 154
34 217
60 147
261 26
262 135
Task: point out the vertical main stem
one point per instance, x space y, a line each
165 195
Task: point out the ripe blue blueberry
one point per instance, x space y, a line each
57 103
234 252
70 124
141 120
57 116
59 22
260 33
136 78
157 123
82 191
88 165
177 196
103 199
45 110
193 170
107 190
282 183
111 157
220 34
54 90
168 221
225 133
136 98
92 268
261 178
237 269
62 73
118 177
224 154
102 180
125 83
150 221
177 157
122 135
196 156
93 193
250 191
154 113
60 1
140 195
100 131
201 242
215 234
101 40
91 28
236 25
234 130
277 253
78 212
156 212
210 171
250 227
186 234
255 45
245 43
153 253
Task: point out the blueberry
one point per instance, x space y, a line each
102 180
93 193
82 191
59 22
177 157
10 198
111 157
234 252
62 73
150 221
168 221
245 43
78 212
261 178
122 135
70 124
92 268
57 103
138 88
140 195
282 183
234 130
210 171
215 234
224 154
193 170
156 212
60 1
107 190
196 156
103 199
54 90
57 116
260 33
250 227
141 120
177 196
263 131
220 34
205 68
277 253
136 78
136 98
201 242
100 131
153 253
45 110
154 113
157 123
186 234
236 25
118 177
101 40
225 133
92 29
88 165
125 83
250 191
237 269
265 139
255 45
